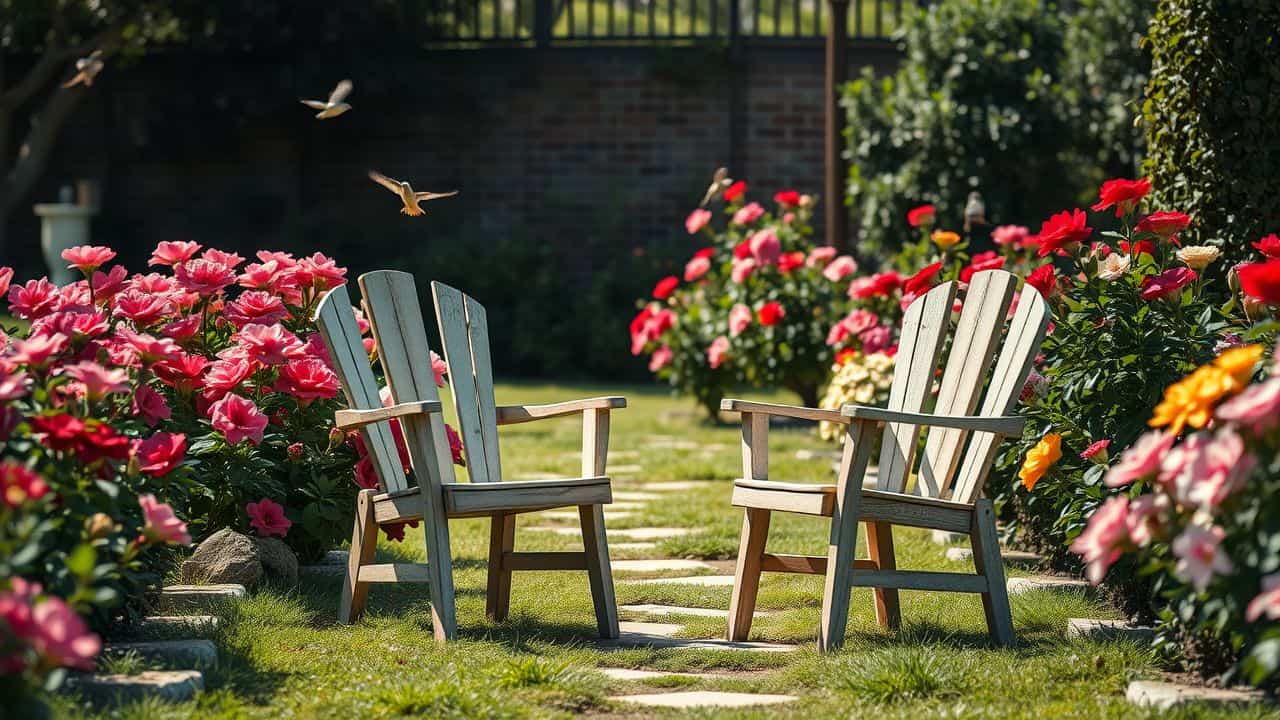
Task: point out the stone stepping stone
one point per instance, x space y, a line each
174 654
1109 630
702 699
634 640
168 624
171 685
636 496
609 514
332 563
1015 557
672 485
806 454
703 580
665 610
175 598
644 566
1025 584
630 627
1166 695
624 469
944 537
629 533
630 674
633 546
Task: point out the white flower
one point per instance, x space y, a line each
1198 257
1113 267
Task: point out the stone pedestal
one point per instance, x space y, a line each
63 225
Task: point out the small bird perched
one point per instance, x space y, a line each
719 181
334 107
87 68
975 211
406 193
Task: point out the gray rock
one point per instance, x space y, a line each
173 654
173 686
279 564
224 557
1109 630
1166 695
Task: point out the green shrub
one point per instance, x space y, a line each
1210 112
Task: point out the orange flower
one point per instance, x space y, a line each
944 238
1039 459
1190 401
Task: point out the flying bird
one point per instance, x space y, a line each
410 198
719 181
87 68
335 105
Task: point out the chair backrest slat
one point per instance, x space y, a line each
974 342
1021 345
464 331
391 300
341 335
924 328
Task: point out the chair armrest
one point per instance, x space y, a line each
515 414
1007 425
352 418
791 411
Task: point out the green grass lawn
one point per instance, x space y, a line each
284 656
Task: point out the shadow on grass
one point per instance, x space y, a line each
929 633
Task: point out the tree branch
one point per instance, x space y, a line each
54 58
35 149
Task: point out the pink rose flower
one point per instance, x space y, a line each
18 484
6 277
1267 602
318 272
748 214
107 284
229 259
96 380
820 256
267 518
183 329
36 351
840 268
717 352
150 405
14 386
149 349
256 306
238 419
143 308
87 258
742 269
697 220
739 319
1014 235
223 376
1146 520
62 636
1104 539
1200 556
159 454
1097 451
1167 284
696 268
661 358
438 368
269 345
876 339
1140 460
455 445
1217 471
34 299
1257 408
159 522
204 277
173 252
307 379
765 247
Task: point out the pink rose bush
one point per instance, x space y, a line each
751 307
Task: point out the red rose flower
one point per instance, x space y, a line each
705 253
102 441
878 285
742 250
159 454
735 191
58 432
19 484
922 215
982 261
1163 223
1269 246
308 379
267 518
1261 281
770 313
665 287
1123 194
1063 229
787 198
204 277
1167 283
790 261
1138 248
1043 279
922 280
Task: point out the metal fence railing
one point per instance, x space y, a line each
545 23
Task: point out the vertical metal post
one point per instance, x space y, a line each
542 21
837 167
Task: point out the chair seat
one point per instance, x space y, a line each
819 499
481 499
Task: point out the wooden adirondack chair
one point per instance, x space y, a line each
947 490
391 302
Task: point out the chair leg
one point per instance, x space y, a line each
364 540
444 617
599 571
880 547
987 560
746 581
502 539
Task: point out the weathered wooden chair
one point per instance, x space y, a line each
391 302
946 494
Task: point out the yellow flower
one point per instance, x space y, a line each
1039 459
945 238
1190 401
1198 257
